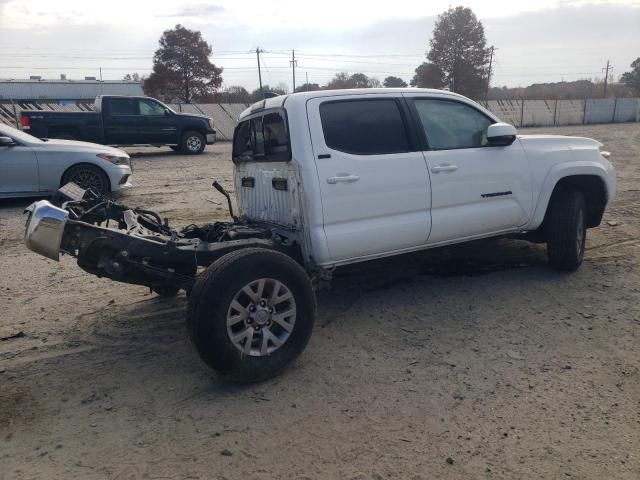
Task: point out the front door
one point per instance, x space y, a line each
477 189
375 189
155 124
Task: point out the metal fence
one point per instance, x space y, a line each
521 113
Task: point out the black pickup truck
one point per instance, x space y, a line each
125 121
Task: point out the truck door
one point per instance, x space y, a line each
375 188
19 169
476 189
156 124
120 117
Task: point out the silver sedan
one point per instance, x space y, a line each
33 167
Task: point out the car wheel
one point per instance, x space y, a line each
251 314
193 142
567 232
88 177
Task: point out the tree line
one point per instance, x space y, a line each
458 60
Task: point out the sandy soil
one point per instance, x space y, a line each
475 362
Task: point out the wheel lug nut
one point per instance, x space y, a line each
263 303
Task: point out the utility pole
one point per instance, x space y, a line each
486 96
293 64
606 78
306 74
259 72
100 73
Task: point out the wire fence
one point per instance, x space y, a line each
518 112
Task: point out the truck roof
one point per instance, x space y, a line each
280 100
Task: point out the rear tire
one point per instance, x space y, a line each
88 176
251 314
193 143
566 230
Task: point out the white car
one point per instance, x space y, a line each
330 178
33 167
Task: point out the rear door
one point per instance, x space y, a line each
374 184
121 116
477 189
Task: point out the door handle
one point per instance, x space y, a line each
444 168
343 179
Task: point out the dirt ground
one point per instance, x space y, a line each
472 362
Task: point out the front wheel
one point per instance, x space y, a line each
567 231
87 176
251 314
193 142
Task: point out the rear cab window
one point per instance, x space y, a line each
262 137
364 126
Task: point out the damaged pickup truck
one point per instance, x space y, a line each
325 179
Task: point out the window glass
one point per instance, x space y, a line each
449 124
149 107
262 138
364 127
123 106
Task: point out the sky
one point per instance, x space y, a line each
535 41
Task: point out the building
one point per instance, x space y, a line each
63 90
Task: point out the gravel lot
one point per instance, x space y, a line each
474 362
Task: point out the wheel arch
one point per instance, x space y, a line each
594 189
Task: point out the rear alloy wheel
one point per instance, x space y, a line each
88 177
567 231
251 314
193 143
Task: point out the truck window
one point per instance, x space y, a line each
364 127
149 107
450 124
262 138
123 106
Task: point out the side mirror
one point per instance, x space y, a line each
501 134
7 142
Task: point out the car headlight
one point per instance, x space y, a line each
211 123
115 159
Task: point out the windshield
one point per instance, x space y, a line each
7 131
262 138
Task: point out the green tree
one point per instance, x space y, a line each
308 87
343 80
182 70
256 95
428 76
458 48
632 79
134 77
394 82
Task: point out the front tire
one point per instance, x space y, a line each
567 232
88 176
193 143
251 314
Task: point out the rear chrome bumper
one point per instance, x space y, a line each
44 229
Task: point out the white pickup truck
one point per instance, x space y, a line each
325 179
